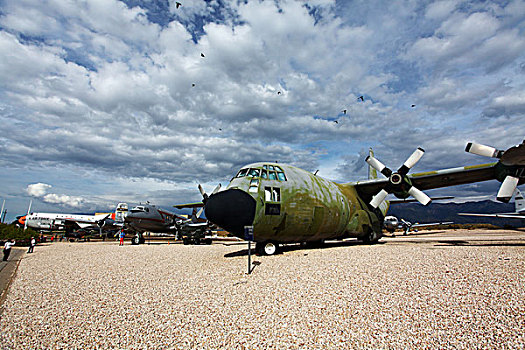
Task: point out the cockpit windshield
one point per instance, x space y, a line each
268 172
139 209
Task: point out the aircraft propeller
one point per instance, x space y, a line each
205 195
102 222
511 157
398 182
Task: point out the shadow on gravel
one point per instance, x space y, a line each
293 247
480 244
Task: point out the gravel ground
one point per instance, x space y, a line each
434 294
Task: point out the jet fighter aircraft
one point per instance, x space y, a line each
285 204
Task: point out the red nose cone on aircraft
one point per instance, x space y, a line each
231 210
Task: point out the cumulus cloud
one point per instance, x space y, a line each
122 89
39 190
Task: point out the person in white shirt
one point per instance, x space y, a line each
7 248
32 245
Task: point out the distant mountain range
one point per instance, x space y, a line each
439 212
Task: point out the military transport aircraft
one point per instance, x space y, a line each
519 203
285 204
149 218
392 223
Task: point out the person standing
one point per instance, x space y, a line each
121 235
32 245
7 248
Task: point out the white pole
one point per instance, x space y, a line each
2 213
28 211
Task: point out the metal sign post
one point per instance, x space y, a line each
248 235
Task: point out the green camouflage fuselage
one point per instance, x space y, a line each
303 207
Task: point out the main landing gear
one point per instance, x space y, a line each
138 239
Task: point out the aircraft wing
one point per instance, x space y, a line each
431 179
432 224
189 205
500 215
411 200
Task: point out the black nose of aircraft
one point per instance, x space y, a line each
231 210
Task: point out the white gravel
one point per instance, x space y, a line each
396 295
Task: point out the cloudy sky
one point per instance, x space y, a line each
103 101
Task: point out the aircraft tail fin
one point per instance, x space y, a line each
372 173
120 212
519 202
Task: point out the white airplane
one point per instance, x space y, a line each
392 223
519 203
73 222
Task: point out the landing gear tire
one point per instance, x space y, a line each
266 248
135 240
207 241
185 241
371 237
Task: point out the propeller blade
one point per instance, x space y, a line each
378 198
199 213
377 165
507 189
216 189
419 195
413 159
482 150
201 190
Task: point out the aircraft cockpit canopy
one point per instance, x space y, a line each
140 209
266 172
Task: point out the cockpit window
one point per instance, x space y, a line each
138 209
254 172
271 167
264 174
242 172
272 175
281 176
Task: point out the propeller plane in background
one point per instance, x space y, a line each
149 218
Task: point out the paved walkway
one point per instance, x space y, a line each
8 269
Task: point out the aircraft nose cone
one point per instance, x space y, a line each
231 210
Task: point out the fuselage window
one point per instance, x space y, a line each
276 194
272 194
281 176
272 175
268 194
254 172
254 186
242 172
